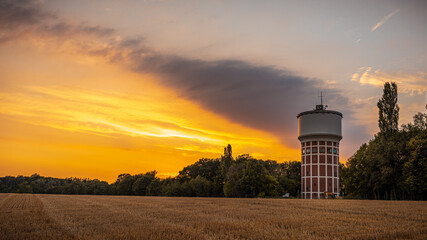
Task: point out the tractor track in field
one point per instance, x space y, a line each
27 219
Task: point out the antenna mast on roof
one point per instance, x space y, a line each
321 107
321 98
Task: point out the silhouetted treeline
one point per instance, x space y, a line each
394 164
39 184
243 176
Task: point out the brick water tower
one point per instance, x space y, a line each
319 132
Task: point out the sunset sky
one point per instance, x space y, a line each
99 88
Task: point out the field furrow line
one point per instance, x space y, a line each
138 217
26 219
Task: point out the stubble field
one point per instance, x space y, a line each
28 216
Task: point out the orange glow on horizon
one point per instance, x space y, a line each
99 121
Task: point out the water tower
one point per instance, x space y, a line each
319 132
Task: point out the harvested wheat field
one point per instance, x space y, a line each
27 216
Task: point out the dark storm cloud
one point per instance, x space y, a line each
261 97
22 18
18 18
14 13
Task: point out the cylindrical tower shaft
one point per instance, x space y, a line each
320 133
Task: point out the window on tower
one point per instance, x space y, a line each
314 150
308 150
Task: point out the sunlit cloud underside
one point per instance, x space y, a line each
163 132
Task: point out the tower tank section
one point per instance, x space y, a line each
319 132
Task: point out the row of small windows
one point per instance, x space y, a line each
314 158
321 150
322 174
306 159
314 143
308 188
321 188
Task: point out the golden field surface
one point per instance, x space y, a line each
28 216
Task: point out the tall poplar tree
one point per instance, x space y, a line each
388 110
226 160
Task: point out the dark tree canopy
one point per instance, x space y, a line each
393 165
241 177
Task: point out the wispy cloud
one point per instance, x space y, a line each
407 83
383 20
